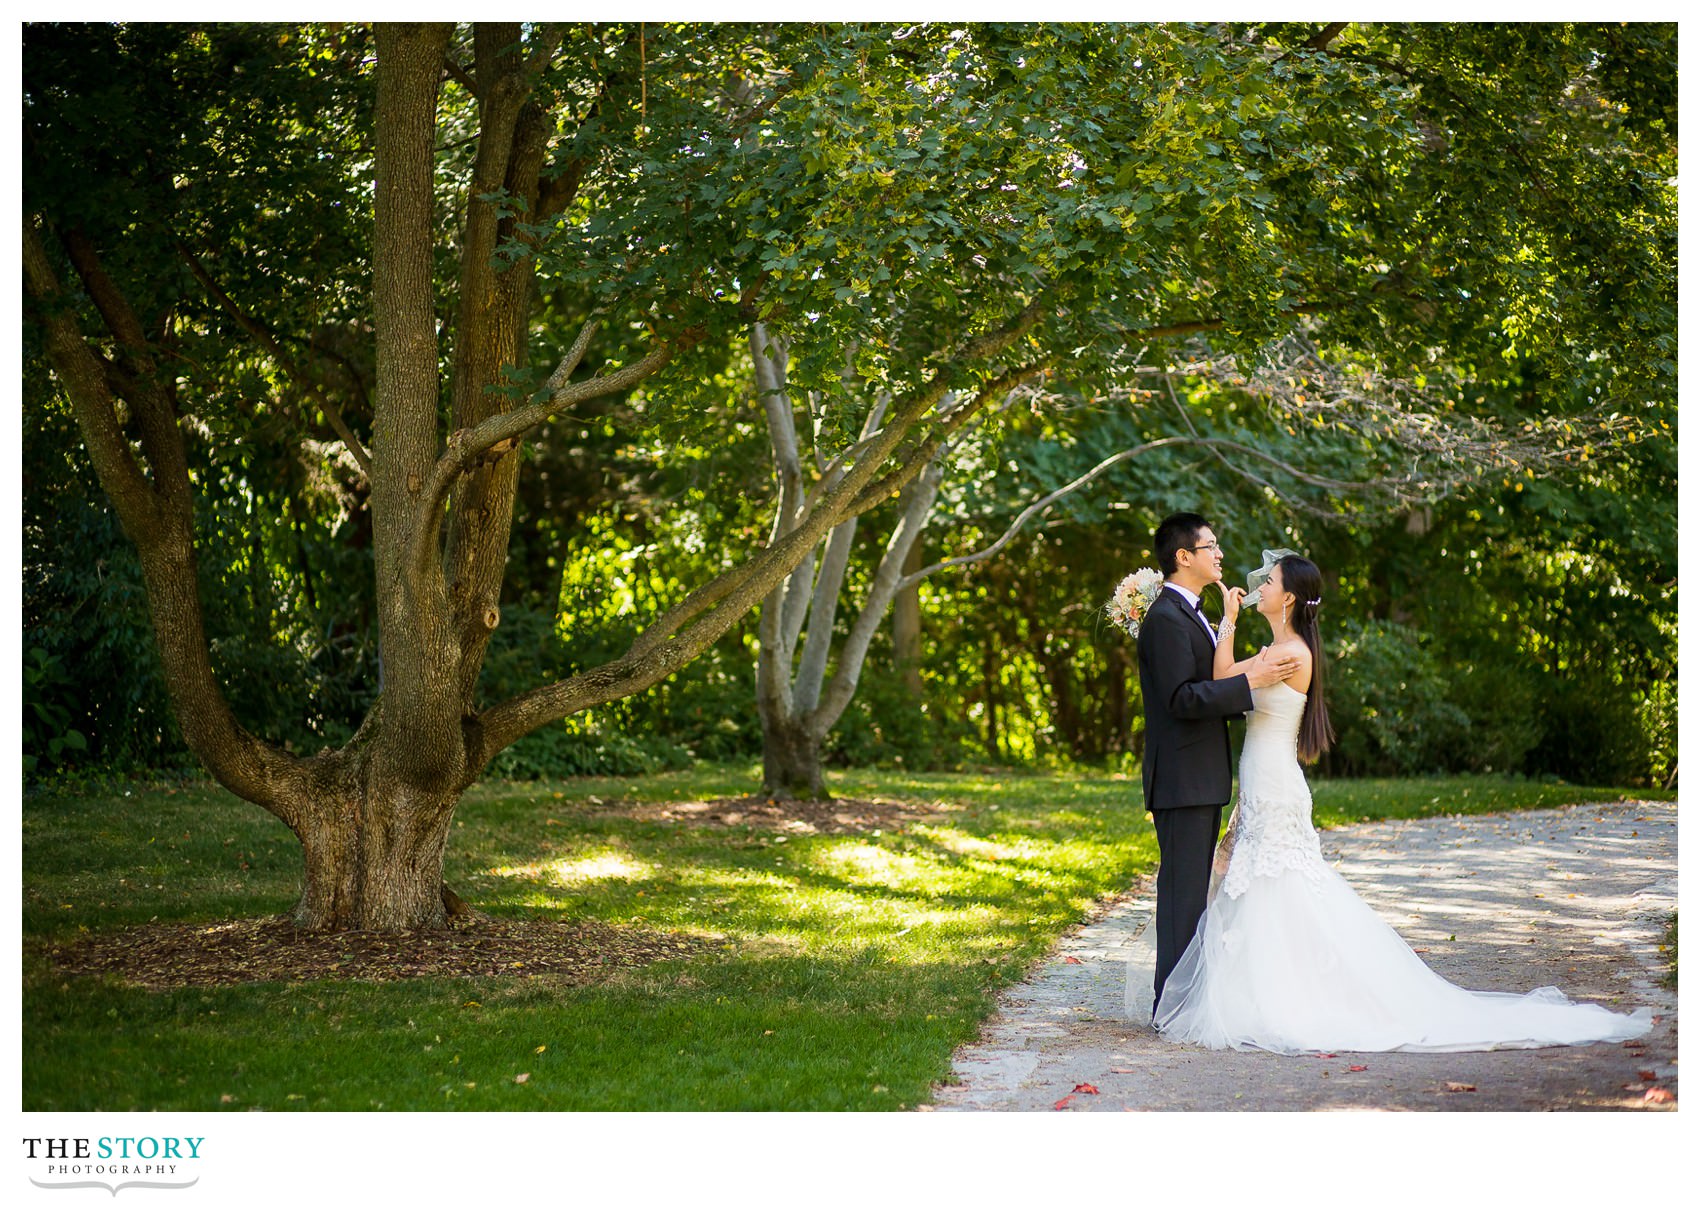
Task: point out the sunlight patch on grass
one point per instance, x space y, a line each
968 844
866 863
606 864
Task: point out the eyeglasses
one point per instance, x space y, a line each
1212 546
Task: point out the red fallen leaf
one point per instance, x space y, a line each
1326 1056
1063 1102
1355 1069
1646 1075
1085 1088
1657 1095
1072 960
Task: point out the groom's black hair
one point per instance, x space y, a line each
1175 532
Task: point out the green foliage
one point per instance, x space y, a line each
885 726
1489 205
49 703
563 750
1390 704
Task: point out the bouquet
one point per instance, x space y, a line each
1133 597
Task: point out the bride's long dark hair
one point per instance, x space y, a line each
1303 580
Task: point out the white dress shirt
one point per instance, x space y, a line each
1192 601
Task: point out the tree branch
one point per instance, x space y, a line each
1328 34
260 334
150 404
159 520
86 385
888 581
654 655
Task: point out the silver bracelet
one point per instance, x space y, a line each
1224 631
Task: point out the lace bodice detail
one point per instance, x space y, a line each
1270 830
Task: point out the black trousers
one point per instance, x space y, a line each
1186 848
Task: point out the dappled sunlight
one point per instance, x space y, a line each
863 862
607 864
981 848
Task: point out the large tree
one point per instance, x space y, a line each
947 211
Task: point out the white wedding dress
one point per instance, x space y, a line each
1289 959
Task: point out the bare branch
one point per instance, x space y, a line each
1329 33
1429 446
462 77
1002 541
467 447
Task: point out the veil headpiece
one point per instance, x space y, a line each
1257 578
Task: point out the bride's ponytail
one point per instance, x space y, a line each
1303 580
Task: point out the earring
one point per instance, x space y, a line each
1284 616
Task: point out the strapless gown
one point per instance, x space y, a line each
1289 959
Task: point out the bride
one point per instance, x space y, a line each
1287 958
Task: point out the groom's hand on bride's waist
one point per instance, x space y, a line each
1267 669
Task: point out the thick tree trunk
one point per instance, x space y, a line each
373 844
791 765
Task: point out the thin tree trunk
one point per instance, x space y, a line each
906 625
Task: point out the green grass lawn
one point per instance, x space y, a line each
847 970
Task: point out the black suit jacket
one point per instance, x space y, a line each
1187 759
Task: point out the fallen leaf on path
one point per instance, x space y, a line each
1085 1088
1657 1095
1646 1075
1325 1056
1122 1070
1356 1069
1072 960
1063 1102
1460 1086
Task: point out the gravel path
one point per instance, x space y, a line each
1569 897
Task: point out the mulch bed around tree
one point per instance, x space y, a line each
162 956
837 816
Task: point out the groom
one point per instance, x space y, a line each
1188 768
